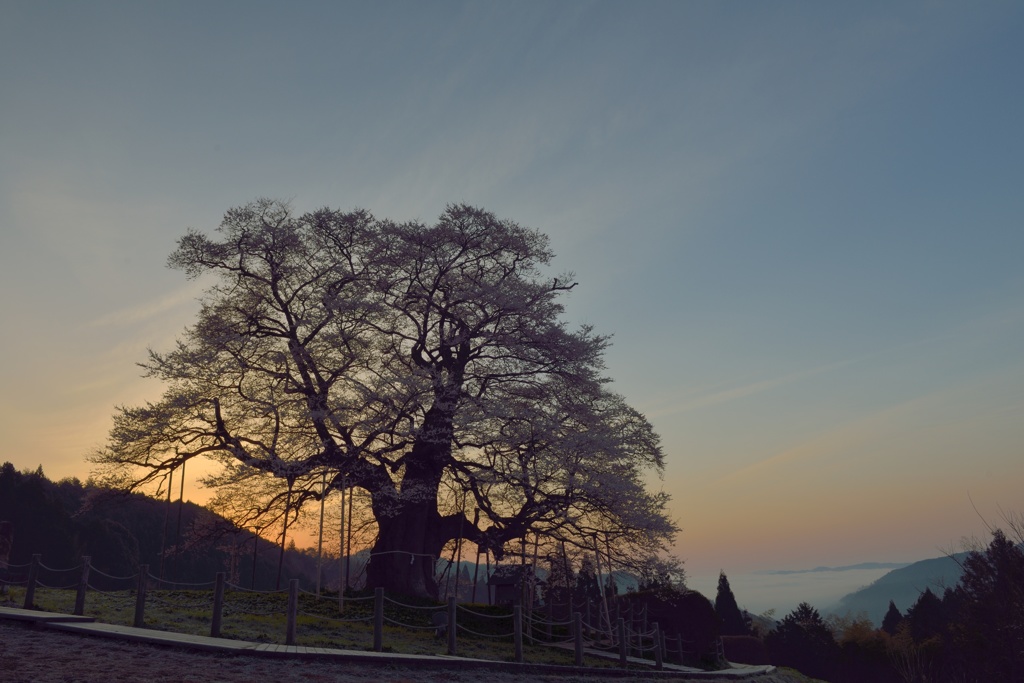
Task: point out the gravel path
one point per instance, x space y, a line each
35 654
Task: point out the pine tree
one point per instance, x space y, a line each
587 588
803 641
991 610
892 619
733 622
926 617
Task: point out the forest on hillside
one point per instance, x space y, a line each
66 520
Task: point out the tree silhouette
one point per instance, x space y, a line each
424 364
892 619
733 621
926 617
991 601
803 641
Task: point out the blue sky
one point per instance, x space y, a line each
801 221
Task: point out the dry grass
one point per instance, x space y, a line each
260 617
42 655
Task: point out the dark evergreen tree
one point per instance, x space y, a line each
803 641
926 617
991 606
557 590
892 619
611 587
733 621
587 588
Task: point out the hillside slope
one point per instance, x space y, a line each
902 586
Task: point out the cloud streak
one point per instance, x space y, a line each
745 390
133 315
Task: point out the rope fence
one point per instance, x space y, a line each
133 577
219 601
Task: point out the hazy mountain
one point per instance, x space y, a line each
845 568
902 586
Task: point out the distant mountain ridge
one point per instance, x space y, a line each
845 568
902 586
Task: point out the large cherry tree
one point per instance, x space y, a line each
428 365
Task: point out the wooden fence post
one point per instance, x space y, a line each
679 642
452 644
623 645
659 656
30 586
577 637
517 630
378 619
83 584
140 596
293 611
218 606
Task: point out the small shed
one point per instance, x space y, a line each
511 583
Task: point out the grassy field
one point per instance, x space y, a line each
261 617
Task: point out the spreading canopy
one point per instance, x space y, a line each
426 364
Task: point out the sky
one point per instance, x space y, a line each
800 221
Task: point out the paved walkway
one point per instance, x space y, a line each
89 626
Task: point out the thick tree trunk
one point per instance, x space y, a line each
404 558
411 532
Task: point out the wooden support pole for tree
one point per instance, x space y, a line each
533 578
293 611
487 559
218 605
378 619
348 540
83 585
623 645
30 586
577 638
255 547
342 571
659 656
517 629
458 549
604 596
320 536
140 597
476 571
173 570
167 515
451 627
284 534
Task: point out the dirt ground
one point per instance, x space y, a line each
35 654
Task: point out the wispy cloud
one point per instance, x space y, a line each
148 310
743 391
